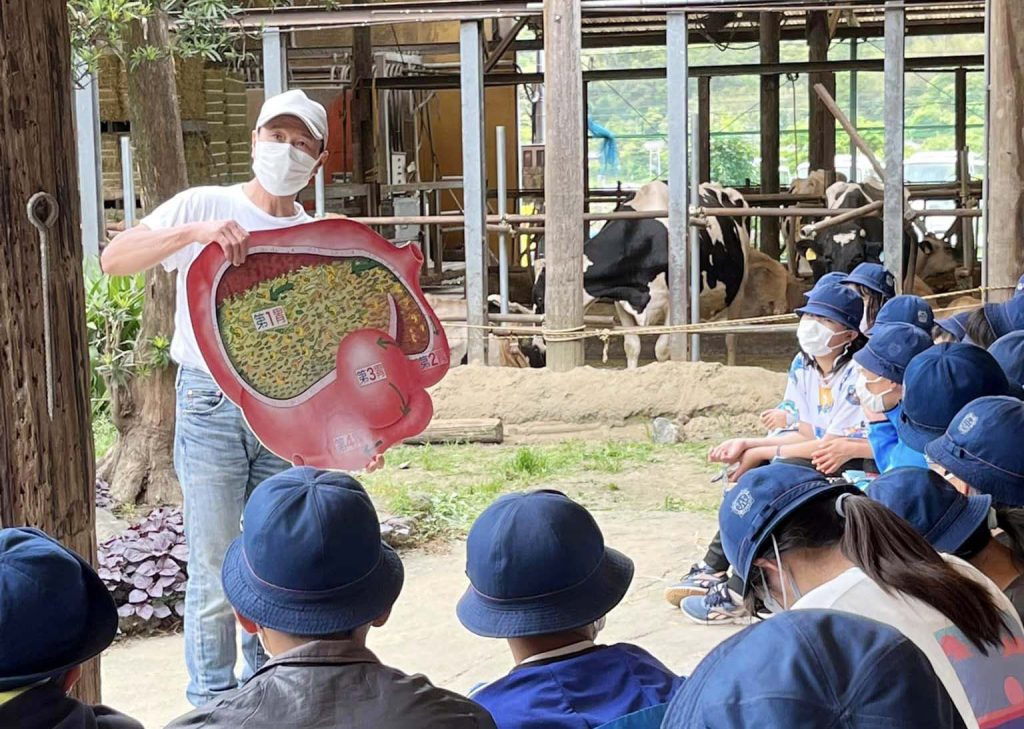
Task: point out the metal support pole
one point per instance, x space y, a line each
502 211
854 111
474 186
679 169
695 241
90 176
127 181
275 63
321 202
895 22
986 184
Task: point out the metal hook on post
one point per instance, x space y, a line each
42 210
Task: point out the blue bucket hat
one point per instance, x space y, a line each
982 447
835 303
906 310
761 499
937 511
890 349
537 564
55 611
1005 317
832 277
875 277
940 381
310 560
955 325
827 669
1008 351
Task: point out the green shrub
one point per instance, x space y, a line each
113 317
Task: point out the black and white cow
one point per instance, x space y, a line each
627 262
843 247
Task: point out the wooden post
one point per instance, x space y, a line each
681 169
770 31
962 169
563 179
893 114
822 150
1005 229
362 105
46 463
704 128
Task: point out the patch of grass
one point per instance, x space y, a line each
104 434
707 506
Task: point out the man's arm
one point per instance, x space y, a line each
141 248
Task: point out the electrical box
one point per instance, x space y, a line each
398 168
406 205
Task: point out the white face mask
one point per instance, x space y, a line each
814 337
768 598
864 322
281 169
870 400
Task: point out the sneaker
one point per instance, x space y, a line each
717 607
697 581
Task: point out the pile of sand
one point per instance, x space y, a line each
707 399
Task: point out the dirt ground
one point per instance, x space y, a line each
146 678
656 504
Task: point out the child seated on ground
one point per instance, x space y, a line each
55 614
882 363
542 579
311 576
1008 351
827 669
905 310
875 285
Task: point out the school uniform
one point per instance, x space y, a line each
48 707
580 686
889 451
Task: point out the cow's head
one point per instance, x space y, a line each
935 257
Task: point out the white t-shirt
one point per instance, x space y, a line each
828 404
196 205
987 690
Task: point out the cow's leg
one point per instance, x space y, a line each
630 342
730 349
661 350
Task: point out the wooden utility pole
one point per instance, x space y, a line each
704 130
563 180
822 150
46 460
770 31
1005 148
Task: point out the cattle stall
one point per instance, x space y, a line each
490 30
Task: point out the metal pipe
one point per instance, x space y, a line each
90 175
694 241
812 229
127 182
678 86
893 112
986 183
854 109
321 202
844 121
474 185
502 211
275 69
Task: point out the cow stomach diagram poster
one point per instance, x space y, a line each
322 338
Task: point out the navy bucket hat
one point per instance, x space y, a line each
906 310
875 277
761 499
1008 351
940 381
891 348
55 611
827 669
937 511
835 303
982 447
310 560
1005 317
955 325
832 277
537 564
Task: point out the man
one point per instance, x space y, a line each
55 614
218 459
542 578
311 577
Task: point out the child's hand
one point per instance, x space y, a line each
728 452
774 419
831 456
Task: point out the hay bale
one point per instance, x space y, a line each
189 76
197 161
113 91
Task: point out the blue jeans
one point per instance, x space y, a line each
219 462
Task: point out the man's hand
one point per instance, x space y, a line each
773 419
232 238
832 454
729 451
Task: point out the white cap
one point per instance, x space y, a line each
296 103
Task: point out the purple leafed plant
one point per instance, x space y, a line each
103 497
146 568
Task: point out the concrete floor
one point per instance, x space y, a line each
146 678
